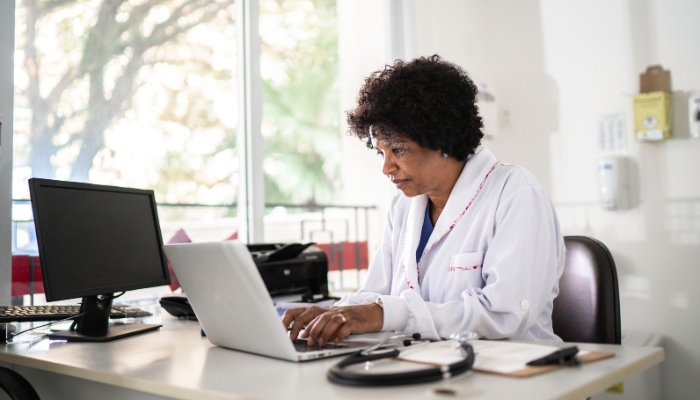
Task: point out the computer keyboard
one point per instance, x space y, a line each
56 312
302 346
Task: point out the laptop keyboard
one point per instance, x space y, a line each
302 346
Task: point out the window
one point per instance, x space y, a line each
302 129
301 110
128 93
144 94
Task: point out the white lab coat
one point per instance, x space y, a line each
495 273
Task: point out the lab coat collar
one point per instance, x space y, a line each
414 223
476 168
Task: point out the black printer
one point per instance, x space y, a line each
292 268
286 269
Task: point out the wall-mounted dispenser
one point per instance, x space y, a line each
694 114
613 182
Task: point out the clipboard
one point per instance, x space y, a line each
509 358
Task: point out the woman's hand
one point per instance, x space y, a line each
333 324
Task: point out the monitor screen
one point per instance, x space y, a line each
96 239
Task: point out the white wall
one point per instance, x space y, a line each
499 43
557 67
361 47
7 43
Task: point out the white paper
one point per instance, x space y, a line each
611 134
438 353
506 357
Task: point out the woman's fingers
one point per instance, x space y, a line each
303 318
290 315
300 322
342 333
322 325
325 328
307 329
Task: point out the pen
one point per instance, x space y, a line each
566 356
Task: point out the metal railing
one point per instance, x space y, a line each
342 224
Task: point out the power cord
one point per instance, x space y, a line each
13 335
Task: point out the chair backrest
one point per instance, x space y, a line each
16 386
588 306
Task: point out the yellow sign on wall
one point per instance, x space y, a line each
652 116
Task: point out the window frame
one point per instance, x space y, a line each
7 44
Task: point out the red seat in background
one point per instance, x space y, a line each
347 251
179 237
21 264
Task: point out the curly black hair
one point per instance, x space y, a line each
427 100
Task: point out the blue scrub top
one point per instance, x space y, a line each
425 233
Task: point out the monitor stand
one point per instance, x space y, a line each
93 325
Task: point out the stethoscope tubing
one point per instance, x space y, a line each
338 374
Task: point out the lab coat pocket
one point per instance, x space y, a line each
463 273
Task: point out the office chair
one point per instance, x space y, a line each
16 387
588 306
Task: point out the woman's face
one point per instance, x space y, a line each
413 170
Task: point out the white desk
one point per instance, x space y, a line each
177 362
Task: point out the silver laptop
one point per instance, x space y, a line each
233 306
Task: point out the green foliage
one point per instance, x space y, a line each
142 93
96 74
301 100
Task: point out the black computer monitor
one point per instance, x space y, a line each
95 241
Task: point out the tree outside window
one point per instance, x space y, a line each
142 93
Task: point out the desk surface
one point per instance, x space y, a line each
177 362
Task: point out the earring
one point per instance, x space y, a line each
445 155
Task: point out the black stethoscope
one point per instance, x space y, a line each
347 372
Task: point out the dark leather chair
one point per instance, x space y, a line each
588 306
16 387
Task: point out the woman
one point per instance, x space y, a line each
471 244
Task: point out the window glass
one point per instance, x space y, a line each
301 111
303 131
143 94
130 93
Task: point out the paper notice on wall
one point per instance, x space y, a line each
488 110
611 134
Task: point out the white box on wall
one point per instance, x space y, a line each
694 114
613 182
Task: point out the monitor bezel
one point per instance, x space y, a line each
35 185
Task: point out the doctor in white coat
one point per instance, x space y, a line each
470 244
